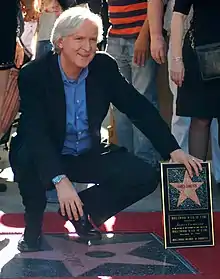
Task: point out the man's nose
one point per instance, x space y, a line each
87 45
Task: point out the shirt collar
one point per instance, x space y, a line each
83 75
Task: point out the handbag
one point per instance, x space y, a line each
11 102
208 57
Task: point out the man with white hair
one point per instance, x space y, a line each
65 96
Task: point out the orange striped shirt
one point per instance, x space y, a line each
127 17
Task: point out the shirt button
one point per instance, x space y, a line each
79 133
77 101
77 143
77 117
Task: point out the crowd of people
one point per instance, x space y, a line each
68 86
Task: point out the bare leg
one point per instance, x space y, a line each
4 74
199 137
3 80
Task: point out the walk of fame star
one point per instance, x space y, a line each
79 258
115 255
187 189
75 255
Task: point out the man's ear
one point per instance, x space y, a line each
60 43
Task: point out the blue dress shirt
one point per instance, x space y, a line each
77 131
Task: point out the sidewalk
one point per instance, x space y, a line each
10 201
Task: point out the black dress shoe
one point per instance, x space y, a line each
84 228
25 245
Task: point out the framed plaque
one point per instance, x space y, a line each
187 206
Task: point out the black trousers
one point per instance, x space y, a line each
121 179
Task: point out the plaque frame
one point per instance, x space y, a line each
184 214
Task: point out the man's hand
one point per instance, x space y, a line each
190 162
158 48
19 55
141 50
69 200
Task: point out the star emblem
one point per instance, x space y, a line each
187 189
80 258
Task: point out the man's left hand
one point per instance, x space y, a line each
141 50
191 163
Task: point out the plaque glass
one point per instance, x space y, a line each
187 206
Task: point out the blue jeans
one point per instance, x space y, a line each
43 47
144 80
52 196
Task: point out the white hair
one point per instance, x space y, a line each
70 20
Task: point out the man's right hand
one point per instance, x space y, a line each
69 200
158 48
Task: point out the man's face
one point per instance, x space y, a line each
79 48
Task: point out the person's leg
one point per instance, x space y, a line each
34 200
215 150
144 79
179 124
121 179
42 48
199 137
124 131
4 74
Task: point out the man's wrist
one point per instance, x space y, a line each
57 179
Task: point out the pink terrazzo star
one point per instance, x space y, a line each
73 254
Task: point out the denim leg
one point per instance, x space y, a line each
52 196
215 150
144 80
116 47
42 48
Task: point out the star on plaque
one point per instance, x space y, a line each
187 189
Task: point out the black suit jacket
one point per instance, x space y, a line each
41 133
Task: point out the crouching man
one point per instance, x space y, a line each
65 96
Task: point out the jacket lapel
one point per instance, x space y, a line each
90 102
57 94
97 106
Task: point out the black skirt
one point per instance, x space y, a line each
196 98
8 28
